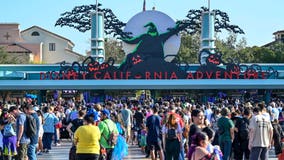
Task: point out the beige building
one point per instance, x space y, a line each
278 37
40 45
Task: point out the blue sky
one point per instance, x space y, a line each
258 18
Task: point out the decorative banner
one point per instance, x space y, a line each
158 68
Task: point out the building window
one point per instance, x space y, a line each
281 39
35 33
51 46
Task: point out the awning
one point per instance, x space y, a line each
141 84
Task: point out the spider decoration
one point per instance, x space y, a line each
79 18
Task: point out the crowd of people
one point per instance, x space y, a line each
226 129
20 132
93 129
170 129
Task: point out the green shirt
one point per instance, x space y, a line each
106 126
225 124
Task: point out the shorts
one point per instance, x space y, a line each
157 146
22 151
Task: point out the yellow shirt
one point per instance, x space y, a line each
87 138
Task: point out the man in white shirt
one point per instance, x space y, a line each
260 135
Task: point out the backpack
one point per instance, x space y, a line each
112 139
31 126
243 129
171 134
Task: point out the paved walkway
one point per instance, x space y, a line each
57 152
62 153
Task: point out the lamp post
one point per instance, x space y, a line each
208 30
97 35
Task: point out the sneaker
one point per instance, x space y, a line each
39 153
57 144
45 151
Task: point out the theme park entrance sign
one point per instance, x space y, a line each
151 44
156 69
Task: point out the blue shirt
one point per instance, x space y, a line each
21 119
49 122
126 117
153 123
9 130
73 115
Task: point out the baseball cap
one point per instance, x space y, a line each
94 113
106 112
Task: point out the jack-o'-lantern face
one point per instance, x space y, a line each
136 59
104 66
93 66
214 59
